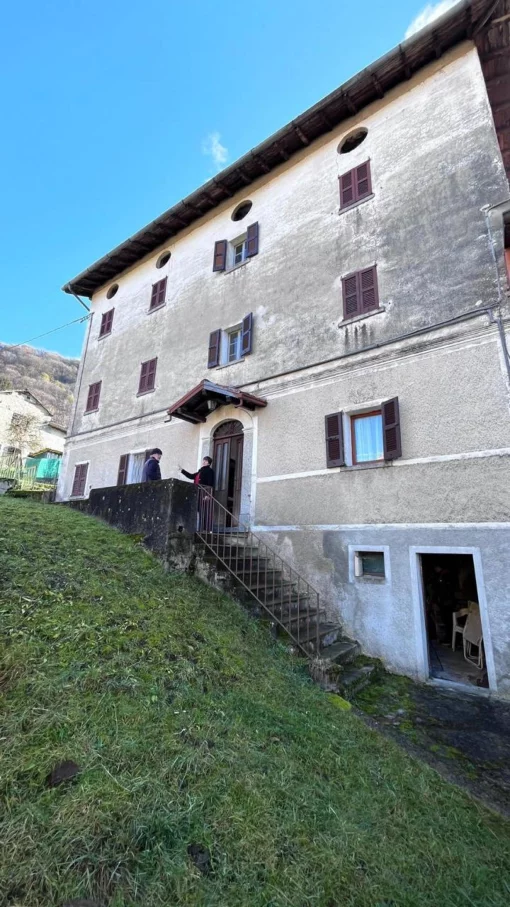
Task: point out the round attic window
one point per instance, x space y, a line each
241 210
111 292
352 141
163 259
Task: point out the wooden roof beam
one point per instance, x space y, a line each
261 162
228 192
245 179
325 119
282 151
351 106
438 47
405 63
377 85
300 134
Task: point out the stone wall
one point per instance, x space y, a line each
162 513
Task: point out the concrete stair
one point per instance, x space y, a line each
257 578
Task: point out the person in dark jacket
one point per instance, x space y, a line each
205 478
151 470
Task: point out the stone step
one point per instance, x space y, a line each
356 679
326 632
342 651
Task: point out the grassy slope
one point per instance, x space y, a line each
191 726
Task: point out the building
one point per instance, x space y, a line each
30 438
327 318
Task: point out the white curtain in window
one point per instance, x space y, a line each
368 437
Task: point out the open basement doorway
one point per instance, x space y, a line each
452 618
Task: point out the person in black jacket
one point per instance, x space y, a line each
204 476
151 470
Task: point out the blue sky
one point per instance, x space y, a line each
113 111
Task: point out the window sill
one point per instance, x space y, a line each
144 393
361 201
377 464
371 580
236 267
227 364
89 411
102 336
156 308
346 321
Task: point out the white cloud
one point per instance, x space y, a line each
212 147
430 12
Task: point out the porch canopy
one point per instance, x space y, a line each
206 397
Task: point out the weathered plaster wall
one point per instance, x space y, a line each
435 162
385 616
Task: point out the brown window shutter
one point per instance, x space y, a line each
355 185
123 468
214 349
391 430
93 397
220 255
158 294
334 440
151 374
351 296
143 378
347 196
363 181
252 240
80 479
106 323
368 294
246 335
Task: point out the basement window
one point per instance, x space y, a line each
369 563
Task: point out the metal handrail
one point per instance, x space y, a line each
286 597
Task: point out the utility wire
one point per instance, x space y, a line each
25 342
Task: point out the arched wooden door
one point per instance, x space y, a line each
228 465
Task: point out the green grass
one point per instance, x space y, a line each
191 726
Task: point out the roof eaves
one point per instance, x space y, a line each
400 63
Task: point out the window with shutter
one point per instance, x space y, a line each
93 397
391 429
106 323
252 240
220 255
214 349
246 335
355 185
360 292
80 479
147 376
158 294
334 440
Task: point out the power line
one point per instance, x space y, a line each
25 342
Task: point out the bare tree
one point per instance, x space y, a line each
23 432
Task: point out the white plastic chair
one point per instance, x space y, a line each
459 622
473 636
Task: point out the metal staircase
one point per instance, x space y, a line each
290 602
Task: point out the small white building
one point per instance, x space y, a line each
327 318
27 426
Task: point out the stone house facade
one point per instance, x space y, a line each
327 318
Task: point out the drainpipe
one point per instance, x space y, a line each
496 318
